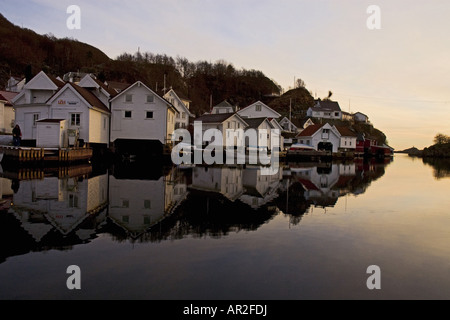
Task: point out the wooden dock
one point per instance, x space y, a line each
36 155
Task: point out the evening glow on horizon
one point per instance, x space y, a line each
398 75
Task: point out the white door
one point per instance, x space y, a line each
29 129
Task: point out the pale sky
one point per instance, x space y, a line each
399 75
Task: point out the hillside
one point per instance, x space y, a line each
21 47
199 81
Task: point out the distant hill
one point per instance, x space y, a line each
21 47
299 100
202 82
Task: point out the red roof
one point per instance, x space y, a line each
346 132
310 131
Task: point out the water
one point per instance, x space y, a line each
150 232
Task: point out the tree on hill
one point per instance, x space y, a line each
441 139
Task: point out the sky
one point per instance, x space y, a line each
398 75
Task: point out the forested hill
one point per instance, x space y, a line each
23 52
21 47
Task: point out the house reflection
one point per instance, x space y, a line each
62 207
60 202
136 205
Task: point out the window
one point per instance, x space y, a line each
150 98
126 219
75 119
125 203
326 130
104 123
73 201
35 118
336 114
149 115
147 220
183 115
258 107
128 98
128 114
147 204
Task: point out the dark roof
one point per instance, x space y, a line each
57 82
308 132
254 122
214 118
346 132
8 95
89 97
108 89
116 85
326 105
3 98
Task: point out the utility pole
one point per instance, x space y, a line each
290 116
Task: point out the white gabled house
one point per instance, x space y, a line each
325 109
288 126
139 114
258 110
348 139
97 88
321 137
183 116
263 129
84 113
222 122
224 107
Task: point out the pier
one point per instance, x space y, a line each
25 155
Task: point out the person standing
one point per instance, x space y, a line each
17 135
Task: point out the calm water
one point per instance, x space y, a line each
309 232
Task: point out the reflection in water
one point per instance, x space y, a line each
64 207
441 167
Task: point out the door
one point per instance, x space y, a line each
29 129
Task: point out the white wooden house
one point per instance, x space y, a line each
139 114
321 137
84 113
31 103
288 126
224 107
348 139
258 110
222 122
183 116
325 109
263 128
103 92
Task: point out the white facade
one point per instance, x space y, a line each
348 143
138 113
92 121
259 110
183 115
324 135
288 126
234 122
